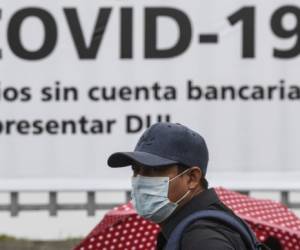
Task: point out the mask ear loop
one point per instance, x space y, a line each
180 174
186 194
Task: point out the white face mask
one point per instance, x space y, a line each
150 197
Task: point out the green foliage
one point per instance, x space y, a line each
6 237
12 243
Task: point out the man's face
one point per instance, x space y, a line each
177 187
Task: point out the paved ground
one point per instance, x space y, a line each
11 244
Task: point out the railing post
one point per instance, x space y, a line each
53 203
91 203
128 196
285 198
14 204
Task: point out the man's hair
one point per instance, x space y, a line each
203 181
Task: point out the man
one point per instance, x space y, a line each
169 165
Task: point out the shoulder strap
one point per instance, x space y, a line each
245 232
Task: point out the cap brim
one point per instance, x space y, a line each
123 159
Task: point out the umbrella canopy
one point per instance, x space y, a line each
123 229
268 219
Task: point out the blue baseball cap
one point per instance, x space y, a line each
165 144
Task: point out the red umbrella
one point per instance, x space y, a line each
123 229
266 218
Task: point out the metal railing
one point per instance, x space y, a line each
91 206
283 183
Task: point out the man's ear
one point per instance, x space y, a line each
195 175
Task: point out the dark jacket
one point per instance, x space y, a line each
202 234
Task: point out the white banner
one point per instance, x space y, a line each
82 79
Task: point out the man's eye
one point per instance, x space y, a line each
134 169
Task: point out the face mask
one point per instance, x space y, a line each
150 197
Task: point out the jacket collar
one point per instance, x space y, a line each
201 201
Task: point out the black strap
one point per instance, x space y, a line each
245 232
